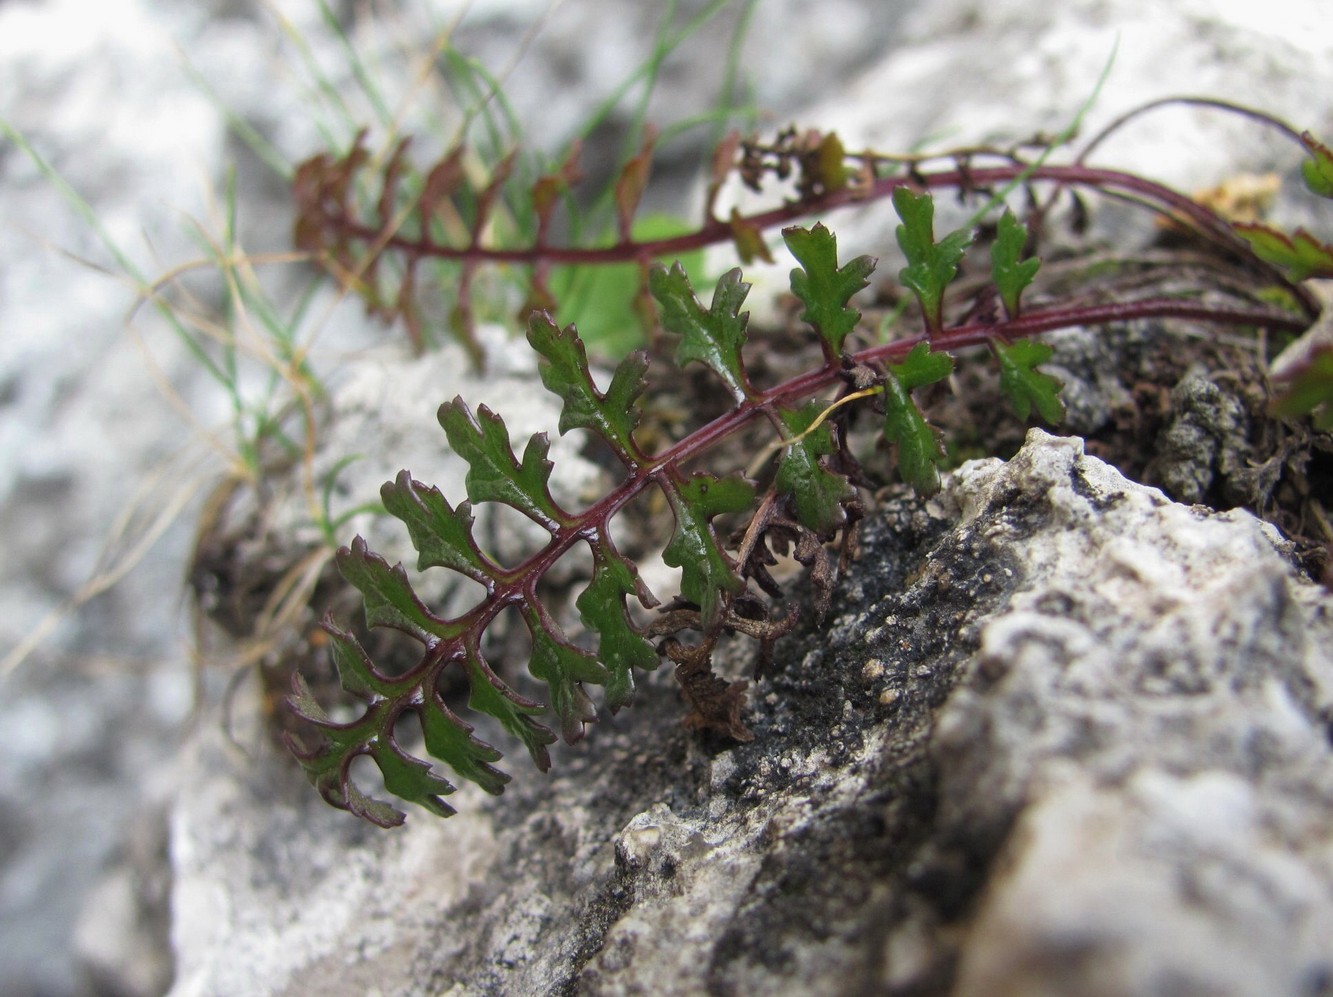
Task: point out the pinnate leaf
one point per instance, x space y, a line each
1026 387
564 370
817 493
1011 273
931 265
494 474
920 450
713 337
823 286
1300 253
706 571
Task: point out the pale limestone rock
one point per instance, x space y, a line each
1104 769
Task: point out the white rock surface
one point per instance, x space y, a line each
1191 855
1070 737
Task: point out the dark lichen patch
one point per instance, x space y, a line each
855 868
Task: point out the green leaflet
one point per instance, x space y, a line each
1308 390
1318 169
489 695
450 739
621 648
408 779
823 286
706 572
389 599
1011 273
326 764
1026 387
494 474
1300 253
920 451
356 672
713 337
562 666
564 371
931 265
817 493
441 534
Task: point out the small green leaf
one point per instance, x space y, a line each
823 286
931 265
1302 254
706 572
922 366
1011 273
389 599
563 667
1307 389
621 648
920 450
1318 169
450 739
564 371
1027 387
818 493
410 778
441 534
487 694
494 474
357 674
713 337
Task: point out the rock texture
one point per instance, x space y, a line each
1064 736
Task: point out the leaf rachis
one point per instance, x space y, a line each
805 501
